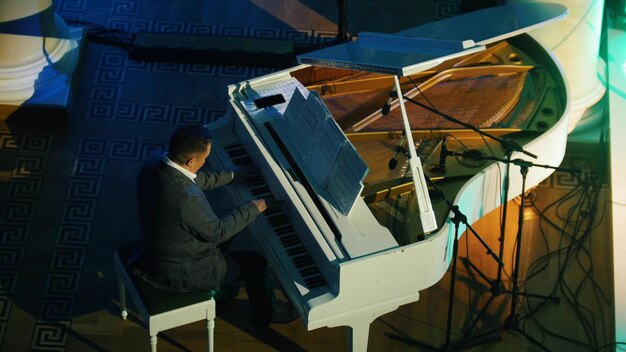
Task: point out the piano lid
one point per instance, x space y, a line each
423 47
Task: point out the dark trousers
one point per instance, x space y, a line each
251 267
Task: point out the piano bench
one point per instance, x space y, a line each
161 310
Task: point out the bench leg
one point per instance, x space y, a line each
122 289
153 343
210 326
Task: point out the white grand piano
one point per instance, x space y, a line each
347 242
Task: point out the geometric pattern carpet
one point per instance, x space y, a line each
67 191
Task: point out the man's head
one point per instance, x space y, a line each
190 145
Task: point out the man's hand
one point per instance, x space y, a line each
260 204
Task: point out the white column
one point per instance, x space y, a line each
617 99
37 54
575 42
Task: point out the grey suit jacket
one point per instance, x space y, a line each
179 232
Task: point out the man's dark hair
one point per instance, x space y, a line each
187 141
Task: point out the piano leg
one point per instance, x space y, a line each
358 337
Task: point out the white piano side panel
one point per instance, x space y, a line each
375 285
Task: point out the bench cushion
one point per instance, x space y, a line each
160 301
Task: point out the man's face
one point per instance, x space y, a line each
197 161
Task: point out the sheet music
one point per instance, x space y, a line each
346 177
323 155
305 122
286 88
329 161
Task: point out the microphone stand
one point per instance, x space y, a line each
497 286
509 146
457 218
512 320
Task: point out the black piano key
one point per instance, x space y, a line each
242 161
272 217
234 153
282 230
260 189
233 147
255 182
284 233
314 282
278 224
259 185
239 158
302 260
296 250
309 271
260 192
285 237
256 179
277 221
290 240
273 212
303 268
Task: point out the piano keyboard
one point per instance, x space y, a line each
290 244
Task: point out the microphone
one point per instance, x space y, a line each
399 149
387 105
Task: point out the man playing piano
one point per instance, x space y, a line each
180 232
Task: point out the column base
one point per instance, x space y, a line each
51 102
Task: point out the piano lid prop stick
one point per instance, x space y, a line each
427 214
